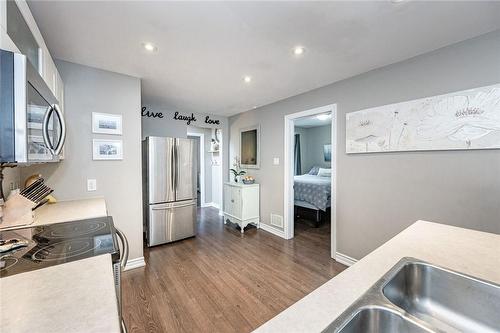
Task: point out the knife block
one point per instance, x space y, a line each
17 211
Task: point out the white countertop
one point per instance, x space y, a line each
65 211
78 296
467 251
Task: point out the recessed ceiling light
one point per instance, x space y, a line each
324 116
397 1
298 50
247 79
149 47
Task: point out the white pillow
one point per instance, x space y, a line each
324 172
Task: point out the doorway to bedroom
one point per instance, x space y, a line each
310 159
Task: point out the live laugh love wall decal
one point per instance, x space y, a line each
189 119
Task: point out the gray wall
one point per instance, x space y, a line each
312 140
90 90
167 126
379 195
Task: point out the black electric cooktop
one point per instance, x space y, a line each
59 243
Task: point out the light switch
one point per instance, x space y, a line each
276 161
91 185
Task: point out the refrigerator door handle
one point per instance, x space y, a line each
173 205
176 166
161 207
190 203
172 169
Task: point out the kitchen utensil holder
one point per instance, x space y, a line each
17 211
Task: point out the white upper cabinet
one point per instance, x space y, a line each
3 14
49 73
5 41
19 33
59 90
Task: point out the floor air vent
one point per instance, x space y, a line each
277 220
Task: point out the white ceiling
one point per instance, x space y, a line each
205 48
312 121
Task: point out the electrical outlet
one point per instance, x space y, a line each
91 185
11 186
276 161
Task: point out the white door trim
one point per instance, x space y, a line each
202 165
221 161
288 172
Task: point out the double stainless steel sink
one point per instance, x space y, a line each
416 296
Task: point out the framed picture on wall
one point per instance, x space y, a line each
107 149
250 147
106 123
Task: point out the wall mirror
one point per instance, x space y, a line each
250 147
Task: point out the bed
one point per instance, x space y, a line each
313 193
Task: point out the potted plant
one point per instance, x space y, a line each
236 170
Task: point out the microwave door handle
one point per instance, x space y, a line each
62 133
45 130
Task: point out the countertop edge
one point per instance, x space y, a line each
464 250
28 299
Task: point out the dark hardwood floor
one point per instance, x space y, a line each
222 281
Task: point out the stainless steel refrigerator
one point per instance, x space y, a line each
169 172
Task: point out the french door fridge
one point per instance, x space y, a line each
169 171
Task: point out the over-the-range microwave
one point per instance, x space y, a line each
32 126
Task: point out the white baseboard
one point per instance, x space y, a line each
345 259
211 204
135 263
271 229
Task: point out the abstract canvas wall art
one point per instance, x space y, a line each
468 119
